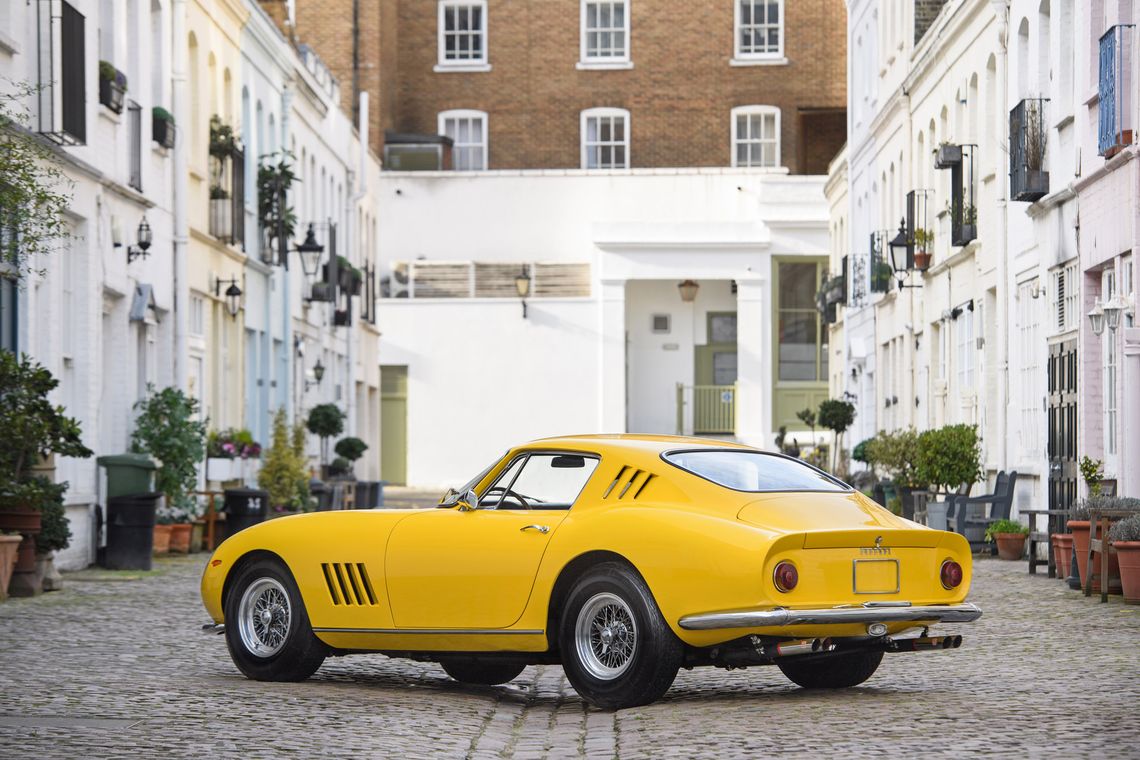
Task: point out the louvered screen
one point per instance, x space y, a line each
442 280
496 280
561 280
1060 287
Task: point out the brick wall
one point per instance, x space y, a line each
679 93
925 11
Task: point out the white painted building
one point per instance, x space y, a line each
606 339
103 324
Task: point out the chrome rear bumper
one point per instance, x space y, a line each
869 612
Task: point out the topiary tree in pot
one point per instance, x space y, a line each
168 429
351 448
325 421
836 415
949 457
894 453
284 474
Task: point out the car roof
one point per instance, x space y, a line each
628 442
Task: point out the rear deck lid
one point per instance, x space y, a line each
835 520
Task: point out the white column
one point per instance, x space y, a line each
754 370
1130 415
611 358
180 105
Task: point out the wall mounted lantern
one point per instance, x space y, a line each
233 295
522 286
1112 311
318 374
1096 316
900 255
142 249
688 290
310 251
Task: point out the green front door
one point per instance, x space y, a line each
714 381
394 424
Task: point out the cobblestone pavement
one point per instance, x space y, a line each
118 668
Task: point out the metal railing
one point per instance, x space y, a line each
1115 90
134 129
713 409
1028 135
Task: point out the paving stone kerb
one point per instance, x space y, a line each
119 668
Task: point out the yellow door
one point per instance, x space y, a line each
452 569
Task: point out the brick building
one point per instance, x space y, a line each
578 83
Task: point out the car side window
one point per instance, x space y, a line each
541 481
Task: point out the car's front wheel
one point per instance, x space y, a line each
616 648
267 627
836 672
483 672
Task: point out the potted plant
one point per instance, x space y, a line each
947 156
162 127
221 212
325 421
1063 553
222 141
340 469
169 430
112 86
895 453
284 475
881 277
1010 536
1036 140
836 415
1081 527
1092 470
350 277
923 241
31 428
1125 537
9 550
229 454
946 458
351 448
275 217
54 535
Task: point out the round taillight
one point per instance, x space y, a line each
951 574
785 576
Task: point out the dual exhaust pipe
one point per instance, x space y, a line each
925 643
790 648
819 646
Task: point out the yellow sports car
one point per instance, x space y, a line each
624 558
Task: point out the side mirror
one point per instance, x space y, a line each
468 502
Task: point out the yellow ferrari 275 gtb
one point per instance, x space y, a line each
624 558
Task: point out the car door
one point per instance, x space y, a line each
448 568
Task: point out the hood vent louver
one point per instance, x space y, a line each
629 480
349 584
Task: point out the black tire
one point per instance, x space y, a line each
289 651
644 664
482 672
837 672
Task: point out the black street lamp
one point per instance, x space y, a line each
142 250
522 286
318 374
233 295
310 251
900 255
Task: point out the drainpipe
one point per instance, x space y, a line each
179 201
354 237
286 288
1001 10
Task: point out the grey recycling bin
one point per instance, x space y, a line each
244 507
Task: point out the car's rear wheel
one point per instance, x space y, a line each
836 672
484 672
267 627
616 648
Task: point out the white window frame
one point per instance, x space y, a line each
593 113
595 62
466 113
1111 373
770 58
750 111
964 338
1030 374
444 64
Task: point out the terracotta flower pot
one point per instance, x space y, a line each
1128 554
9 550
1063 553
1011 546
162 538
180 538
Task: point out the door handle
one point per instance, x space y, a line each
540 528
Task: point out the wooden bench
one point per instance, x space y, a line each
972 515
1054 523
1099 520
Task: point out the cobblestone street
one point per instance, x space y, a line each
114 667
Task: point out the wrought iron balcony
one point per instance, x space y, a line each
1116 91
61 97
1028 135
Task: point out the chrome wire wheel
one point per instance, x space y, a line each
605 636
264 616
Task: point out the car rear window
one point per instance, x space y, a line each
753 471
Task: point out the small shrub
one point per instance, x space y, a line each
339 466
1127 529
55 533
860 452
1092 470
948 457
351 448
1005 526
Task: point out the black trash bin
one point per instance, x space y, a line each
244 507
130 531
320 491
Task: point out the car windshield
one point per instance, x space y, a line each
451 498
753 471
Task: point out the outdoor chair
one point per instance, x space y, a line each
972 515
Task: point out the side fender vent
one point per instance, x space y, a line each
629 481
348 584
